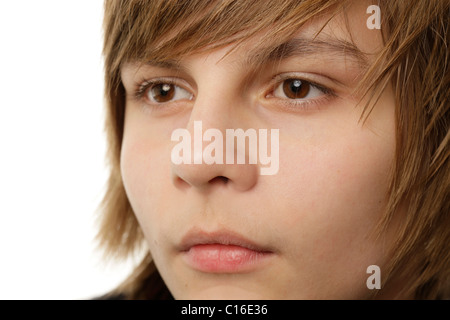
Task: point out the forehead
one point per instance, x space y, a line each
341 32
349 25
345 31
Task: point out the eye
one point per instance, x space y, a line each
297 89
166 92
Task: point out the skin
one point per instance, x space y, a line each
316 214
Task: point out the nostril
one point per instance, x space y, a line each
219 179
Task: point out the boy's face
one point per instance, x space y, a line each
225 231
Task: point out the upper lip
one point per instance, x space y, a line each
225 237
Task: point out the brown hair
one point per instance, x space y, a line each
414 59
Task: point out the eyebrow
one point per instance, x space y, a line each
301 47
311 47
165 64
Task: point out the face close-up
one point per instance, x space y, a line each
226 231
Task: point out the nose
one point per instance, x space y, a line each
214 152
203 177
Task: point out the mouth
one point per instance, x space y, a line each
222 252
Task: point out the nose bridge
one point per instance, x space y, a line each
217 108
214 111
217 97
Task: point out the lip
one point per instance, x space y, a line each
222 252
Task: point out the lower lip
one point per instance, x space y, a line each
219 258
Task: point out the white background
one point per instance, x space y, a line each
52 168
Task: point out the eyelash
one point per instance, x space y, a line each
286 103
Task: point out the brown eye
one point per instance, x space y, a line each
295 88
167 92
162 92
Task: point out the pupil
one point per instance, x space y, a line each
165 89
163 92
296 89
296 86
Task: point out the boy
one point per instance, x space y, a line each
351 105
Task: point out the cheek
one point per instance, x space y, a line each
145 179
144 175
134 171
333 201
